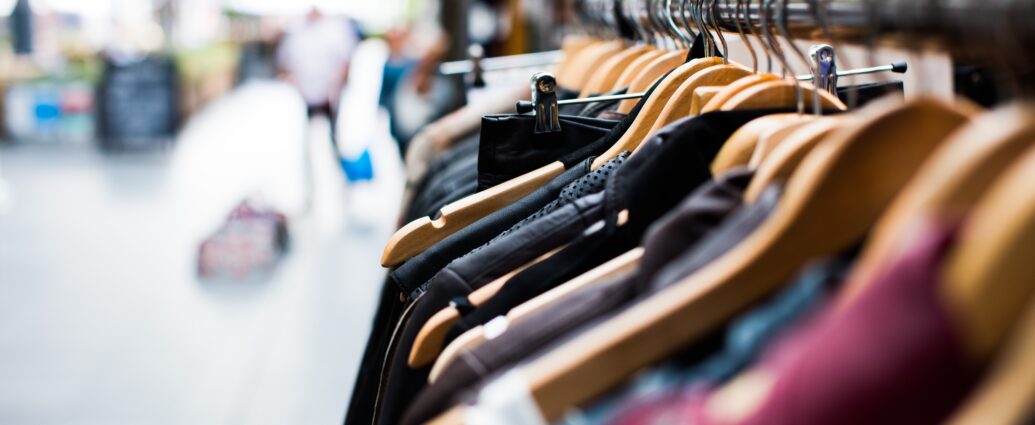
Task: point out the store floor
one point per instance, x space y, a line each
102 320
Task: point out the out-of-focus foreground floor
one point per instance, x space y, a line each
102 320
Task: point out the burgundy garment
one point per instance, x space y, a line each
891 356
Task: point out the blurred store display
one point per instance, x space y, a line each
137 102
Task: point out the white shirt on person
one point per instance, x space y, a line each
316 55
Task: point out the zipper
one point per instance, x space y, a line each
382 382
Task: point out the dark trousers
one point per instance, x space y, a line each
332 115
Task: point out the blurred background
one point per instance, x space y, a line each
194 195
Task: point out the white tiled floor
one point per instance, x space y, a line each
101 318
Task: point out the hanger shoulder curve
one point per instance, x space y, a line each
784 159
950 183
702 96
587 61
732 89
571 46
635 68
988 276
678 106
827 184
737 151
780 94
772 139
640 128
651 73
420 234
603 78
466 341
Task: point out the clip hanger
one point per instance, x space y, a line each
544 101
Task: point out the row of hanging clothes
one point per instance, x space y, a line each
661 234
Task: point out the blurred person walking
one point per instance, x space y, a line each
314 57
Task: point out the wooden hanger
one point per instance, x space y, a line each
988 276
949 184
734 88
678 106
474 337
702 96
988 283
772 139
603 78
780 164
830 202
737 151
636 67
571 47
429 340
650 74
640 128
571 58
420 234
1007 392
779 94
587 61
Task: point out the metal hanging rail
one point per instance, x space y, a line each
501 63
953 23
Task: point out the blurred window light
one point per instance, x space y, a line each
376 13
86 8
6 6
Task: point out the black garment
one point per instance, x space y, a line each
558 222
600 109
405 280
409 276
580 311
669 166
451 183
677 231
565 93
591 109
506 151
860 95
552 225
427 192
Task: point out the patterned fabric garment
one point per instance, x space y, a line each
591 183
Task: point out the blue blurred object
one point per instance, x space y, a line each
358 169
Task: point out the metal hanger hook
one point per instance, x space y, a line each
743 36
714 15
685 41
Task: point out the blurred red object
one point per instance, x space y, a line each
248 245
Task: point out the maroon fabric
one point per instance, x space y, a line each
889 357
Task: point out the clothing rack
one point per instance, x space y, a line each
956 24
528 60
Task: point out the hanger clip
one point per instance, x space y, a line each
544 102
824 68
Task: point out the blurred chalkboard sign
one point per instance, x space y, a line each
137 102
